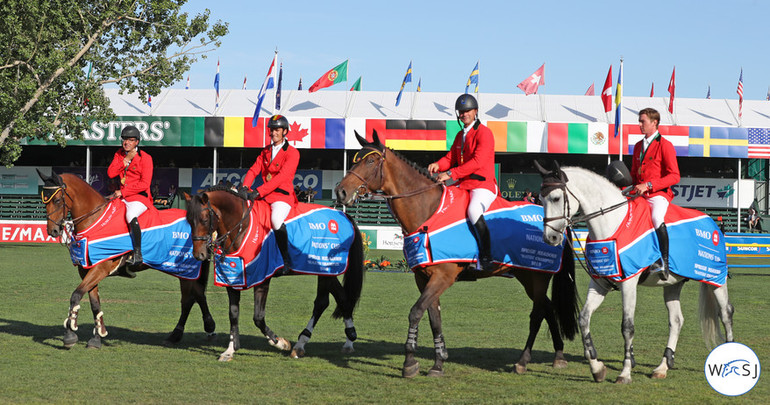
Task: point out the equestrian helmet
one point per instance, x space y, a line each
278 121
130 132
466 102
618 173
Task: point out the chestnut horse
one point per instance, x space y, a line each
413 197
219 218
68 195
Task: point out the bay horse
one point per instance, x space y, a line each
67 195
565 191
219 217
413 197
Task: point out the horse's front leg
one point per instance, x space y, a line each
671 295
260 299
100 330
90 279
536 286
439 346
187 302
594 299
628 291
234 301
193 291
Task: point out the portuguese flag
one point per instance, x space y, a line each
336 75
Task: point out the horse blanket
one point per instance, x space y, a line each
696 246
319 243
516 230
166 243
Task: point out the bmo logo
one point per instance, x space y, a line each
605 250
317 226
333 226
715 238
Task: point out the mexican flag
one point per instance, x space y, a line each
336 75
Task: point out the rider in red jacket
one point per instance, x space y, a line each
471 162
653 171
135 171
277 164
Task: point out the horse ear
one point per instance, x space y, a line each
42 176
204 198
57 179
376 138
556 166
540 169
186 196
361 139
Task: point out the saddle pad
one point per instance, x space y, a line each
166 243
516 230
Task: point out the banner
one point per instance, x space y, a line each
18 180
204 178
712 193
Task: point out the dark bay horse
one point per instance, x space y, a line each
219 217
413 197
68 195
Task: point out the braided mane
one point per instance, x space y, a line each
415 166
228 187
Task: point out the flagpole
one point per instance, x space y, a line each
414 103
619 125
738 194
275 81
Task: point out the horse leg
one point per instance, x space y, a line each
671 295
90 279
260 300
199 292
594 299
187 302
431 287
319 306
234 300
337 291
193 291
100 330
439 346
628 291
725 309
541 306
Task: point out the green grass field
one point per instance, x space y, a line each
485 325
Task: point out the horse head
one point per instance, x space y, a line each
204 221
558 204
367 173
53 196
219 218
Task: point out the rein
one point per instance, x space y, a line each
213 243
365 182
62 223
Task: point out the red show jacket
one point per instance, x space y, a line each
657 165
277 174
136 178
472 162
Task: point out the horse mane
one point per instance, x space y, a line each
69 178
228 187
415 166
595 177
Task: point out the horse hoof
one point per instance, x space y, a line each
520 369
659 375
94 344
210 337
297 353
623 380
348 350
599 377
560 363
433 372
224 357
411 371
173 338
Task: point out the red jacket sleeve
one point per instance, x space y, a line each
256 168
445 163
145 176
285 175
483 153
117 165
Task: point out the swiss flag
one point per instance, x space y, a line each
607 92
530 84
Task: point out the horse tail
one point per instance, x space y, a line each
708 309
353 280
564 293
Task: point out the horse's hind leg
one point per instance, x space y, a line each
260 299
100 330
671 295
234 301
726 311
439 346
536 287
343 302
319 306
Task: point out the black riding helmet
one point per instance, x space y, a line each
130 132
278 121
466 102
617 172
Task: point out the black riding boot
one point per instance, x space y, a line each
662 268
481 233
136 239
282 240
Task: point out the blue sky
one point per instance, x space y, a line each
708 41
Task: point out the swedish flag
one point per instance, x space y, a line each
473 78
407 79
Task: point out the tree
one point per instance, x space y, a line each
55 56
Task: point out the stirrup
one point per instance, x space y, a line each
660 269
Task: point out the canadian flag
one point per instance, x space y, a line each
530 84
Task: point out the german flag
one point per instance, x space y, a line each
410 134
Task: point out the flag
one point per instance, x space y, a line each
316 133
268 84
412 134
300 84
708 93
740 95
278 89
768 94
407 79
216 84
187 86
578 138
759 143
718 142
678 135
473 78
671 88
356 85
652 90
149 100
511 136
590 91
607 92
335 75
244 82
618 99
530 84
419 87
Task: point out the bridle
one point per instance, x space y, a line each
364 187
68 227
215 243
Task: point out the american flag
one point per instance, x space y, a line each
759 143
740 95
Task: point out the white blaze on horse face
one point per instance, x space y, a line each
553 209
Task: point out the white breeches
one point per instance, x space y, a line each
658 208
279 210
134 209
481 199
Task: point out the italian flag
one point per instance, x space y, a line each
336 75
